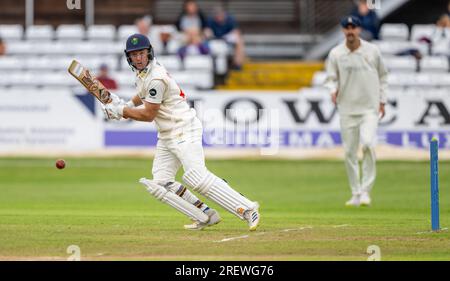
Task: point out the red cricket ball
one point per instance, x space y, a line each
60 164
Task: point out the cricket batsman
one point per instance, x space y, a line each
179 143
357 82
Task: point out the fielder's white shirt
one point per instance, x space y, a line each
175 117
360 77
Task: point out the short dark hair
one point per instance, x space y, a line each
188 1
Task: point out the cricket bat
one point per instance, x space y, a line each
84 76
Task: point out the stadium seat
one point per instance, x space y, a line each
419 81
10 63
16 48
125 79
22 78
166 28
394 32
434 64
11 32
17 78
440 93
111 61
112 48
441 42
221 65
419 31
393 90
124 31
319 78
201 79
422 80
62 62
33 89
401 63
171 63
94 62
218 47
200 62
220 51
4 80
441 80
405 91
39 32
396 47
173 46
41 62
101 32
441 49
124 64
51 48
70 32
125 92
60 90
399 80
33 47
94 48
57 78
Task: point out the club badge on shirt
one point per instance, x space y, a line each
152 92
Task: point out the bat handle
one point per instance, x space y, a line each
105 96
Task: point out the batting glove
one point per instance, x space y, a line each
113 111
116 99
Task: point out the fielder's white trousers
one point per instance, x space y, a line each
356 130
185 150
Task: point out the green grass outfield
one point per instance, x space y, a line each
98 205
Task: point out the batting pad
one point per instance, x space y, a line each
213 187
174 200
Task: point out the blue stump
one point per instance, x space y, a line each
434 147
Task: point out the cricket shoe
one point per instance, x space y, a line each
353 202
252 217
365 200
214 218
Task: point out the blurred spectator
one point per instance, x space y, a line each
165 36
159 41
143 25
443 21
223 26
440 39
195 45
105 79
411 52
448 9
370 22
2 47
191 17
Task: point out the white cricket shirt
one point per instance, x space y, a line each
175 117
360 77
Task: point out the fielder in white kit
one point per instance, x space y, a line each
179 143
357 81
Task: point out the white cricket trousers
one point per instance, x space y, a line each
186 151
356 130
